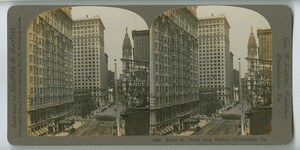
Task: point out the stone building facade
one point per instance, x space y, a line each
265 44
173 70
49 71
90 60
141 45
215 58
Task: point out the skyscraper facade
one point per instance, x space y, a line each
90 60
265 44
173 70
215 58
141 45
49 71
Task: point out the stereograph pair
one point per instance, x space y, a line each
149 75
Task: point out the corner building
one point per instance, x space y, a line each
49 71
173 70
215 58
90 60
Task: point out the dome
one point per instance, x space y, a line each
126 42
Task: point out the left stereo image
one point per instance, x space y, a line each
88 73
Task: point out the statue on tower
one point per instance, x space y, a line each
252 47
127 48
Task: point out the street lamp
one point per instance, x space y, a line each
241 100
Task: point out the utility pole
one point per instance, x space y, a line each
241 100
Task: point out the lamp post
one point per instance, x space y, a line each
242 101
116 82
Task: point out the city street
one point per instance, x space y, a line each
113 110
219 126
94 127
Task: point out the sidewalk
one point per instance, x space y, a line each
76 125
201 124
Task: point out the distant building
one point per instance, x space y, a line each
141 44
236 82
90 60
111 86
111 79
173 70
83 102
215 58
265 44
209 101
49 71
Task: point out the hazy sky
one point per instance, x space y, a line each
115 21
240 21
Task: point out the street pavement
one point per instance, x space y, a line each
219 126
94 127
113 110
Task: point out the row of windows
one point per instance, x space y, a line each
75 66
86 84
211 86
86 62
42 80
211 61
210 29
52 90
211 68
87 55
85 58
212 38
84 23
85 31
203 72
211 22
85 35
210 78
87 69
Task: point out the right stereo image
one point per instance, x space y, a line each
210 72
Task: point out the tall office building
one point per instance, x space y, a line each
265 44
141 45
49 71
215 58
90 60
173 70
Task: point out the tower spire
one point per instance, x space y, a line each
252 47
127 48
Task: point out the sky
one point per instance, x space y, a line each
115 21
240 21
